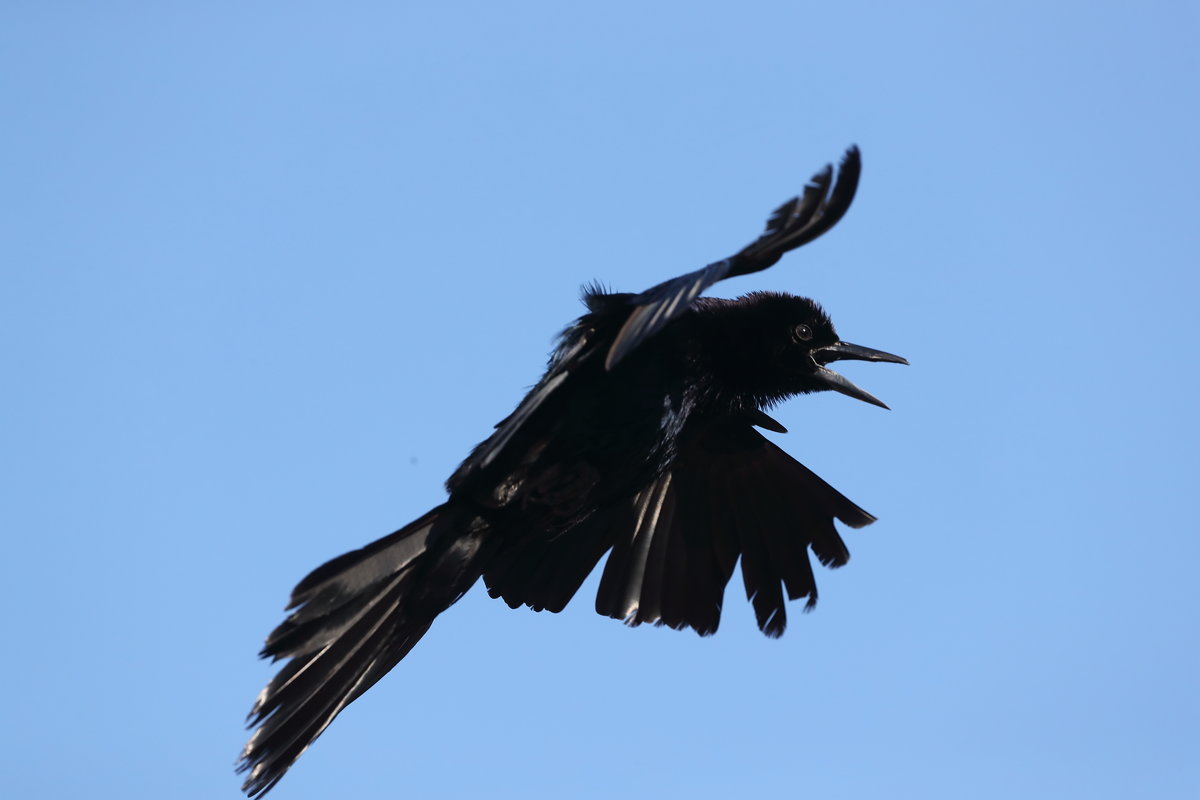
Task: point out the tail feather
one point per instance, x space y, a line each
358 616
347 576
331 597
294 713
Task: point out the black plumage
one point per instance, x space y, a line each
639 441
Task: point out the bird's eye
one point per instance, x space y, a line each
803 333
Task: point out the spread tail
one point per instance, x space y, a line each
355 618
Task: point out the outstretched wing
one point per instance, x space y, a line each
796 222
730 493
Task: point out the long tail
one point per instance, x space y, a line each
356 617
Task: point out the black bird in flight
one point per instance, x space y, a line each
640 440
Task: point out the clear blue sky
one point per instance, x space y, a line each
269 271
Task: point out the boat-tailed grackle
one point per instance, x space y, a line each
640 440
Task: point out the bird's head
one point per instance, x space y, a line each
776 345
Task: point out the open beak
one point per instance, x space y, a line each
844 351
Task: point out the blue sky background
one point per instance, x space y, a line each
270 271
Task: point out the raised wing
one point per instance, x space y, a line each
796 222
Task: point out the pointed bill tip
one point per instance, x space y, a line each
845 351
843 385
875 401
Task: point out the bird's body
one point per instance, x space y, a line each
640 440
592 440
